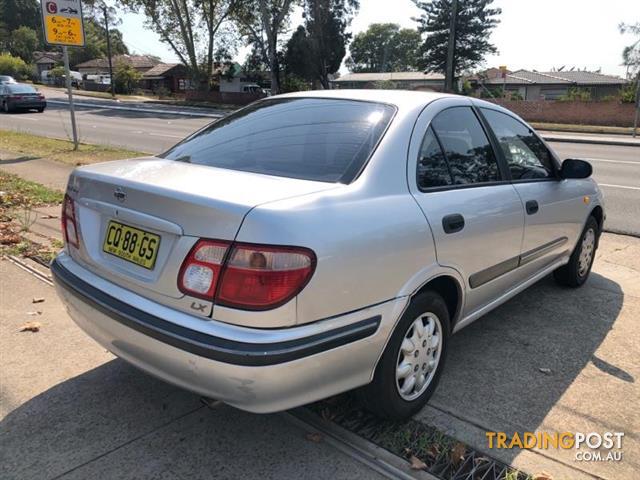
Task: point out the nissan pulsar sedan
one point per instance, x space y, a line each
319 242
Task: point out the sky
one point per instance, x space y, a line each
540 34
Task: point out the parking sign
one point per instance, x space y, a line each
62 22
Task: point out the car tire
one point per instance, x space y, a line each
5 107
576 272
384 396
40 110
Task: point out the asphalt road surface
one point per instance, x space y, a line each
616 168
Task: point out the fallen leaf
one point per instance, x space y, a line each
543 476
45 217
37 300
417 464
545 370
314 437
433 451
37 312
457 453
30 327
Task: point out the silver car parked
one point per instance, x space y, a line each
314 243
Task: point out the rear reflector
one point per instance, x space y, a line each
249 277
201 269
69 223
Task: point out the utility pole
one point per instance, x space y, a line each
451 49
635 120
67 76
106 27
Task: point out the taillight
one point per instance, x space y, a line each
249 277
201 269
69 223
260 277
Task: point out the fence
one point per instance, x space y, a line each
606 113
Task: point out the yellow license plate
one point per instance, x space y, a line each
131 244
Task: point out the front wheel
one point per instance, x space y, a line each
576 272
411 365
5 107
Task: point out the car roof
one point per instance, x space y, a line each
399 98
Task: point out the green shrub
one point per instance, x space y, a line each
293 83
14 66
628 92
576 94
127 78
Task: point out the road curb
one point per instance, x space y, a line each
139 110
617 143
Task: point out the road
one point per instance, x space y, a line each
616 168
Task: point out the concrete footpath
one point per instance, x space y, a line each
590 138
71 410
552 360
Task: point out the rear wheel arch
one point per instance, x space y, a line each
451 292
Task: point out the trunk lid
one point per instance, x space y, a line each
178 202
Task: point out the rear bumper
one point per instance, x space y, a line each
253 369
27 104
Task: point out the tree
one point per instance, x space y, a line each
384 47
23 42
474 23
631 53
15 14
193 29
326 22
262 22
96 42
126 78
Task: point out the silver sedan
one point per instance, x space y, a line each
319 242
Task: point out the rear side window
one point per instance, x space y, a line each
526 155
466 147
433 170
320 139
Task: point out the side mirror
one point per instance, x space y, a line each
574 168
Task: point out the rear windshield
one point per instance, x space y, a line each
21 88
321 139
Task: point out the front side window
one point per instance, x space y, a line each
526 155
321 139
466 147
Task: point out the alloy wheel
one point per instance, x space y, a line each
419 356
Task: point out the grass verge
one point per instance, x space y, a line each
422 445
60 150
18 198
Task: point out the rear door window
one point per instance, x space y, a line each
320 139
467 149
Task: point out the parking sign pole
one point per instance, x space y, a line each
67 76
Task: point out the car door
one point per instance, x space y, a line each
474 212
554 207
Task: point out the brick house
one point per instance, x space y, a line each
402 80
532 85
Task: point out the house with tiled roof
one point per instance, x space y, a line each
403 80
534 85
98 66
168 76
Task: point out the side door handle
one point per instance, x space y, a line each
453 223
531 207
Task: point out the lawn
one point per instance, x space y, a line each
60 150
